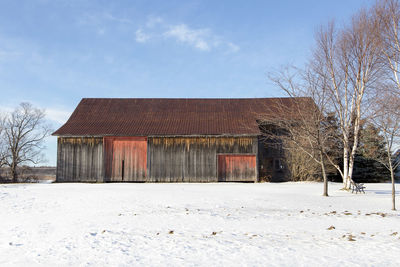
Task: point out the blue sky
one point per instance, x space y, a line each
55 52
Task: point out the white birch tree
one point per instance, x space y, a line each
348 58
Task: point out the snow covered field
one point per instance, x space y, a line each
264 224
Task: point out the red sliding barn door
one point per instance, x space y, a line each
236 168
126 158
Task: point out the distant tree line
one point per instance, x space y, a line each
352 124
22 134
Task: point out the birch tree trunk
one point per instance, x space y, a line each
393 189
345 166
325 177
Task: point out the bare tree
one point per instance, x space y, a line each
387 12
387 107
25 130
299 165
305 127
348 58
387 119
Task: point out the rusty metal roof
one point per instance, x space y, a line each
161 116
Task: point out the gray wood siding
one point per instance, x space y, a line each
193 159
80 159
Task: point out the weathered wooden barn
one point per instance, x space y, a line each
167 140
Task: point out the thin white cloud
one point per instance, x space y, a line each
57 115
111 17
109 59
152 21
156 28
141 37
233 48
102 18
103 22
6 54
198 38
201 39
101 31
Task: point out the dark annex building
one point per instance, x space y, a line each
168 140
